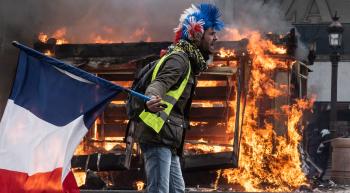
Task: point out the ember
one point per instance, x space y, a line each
139 185
48 53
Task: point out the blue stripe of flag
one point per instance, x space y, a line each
56 97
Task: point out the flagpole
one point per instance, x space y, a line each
37 53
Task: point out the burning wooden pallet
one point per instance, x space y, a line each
208 144
118 63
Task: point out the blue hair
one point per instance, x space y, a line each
211 16
206 15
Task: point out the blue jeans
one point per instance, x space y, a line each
163 170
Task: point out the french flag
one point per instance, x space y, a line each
51 107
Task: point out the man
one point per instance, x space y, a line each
323 152
165 118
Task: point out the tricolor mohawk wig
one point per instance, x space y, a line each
196 19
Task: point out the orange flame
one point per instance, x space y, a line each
225 53
99 40
48 53
108 35
207 148
79 176
207 103
195 123
206 83
43 37
139 185
59 35
267 162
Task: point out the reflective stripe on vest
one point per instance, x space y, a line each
157 120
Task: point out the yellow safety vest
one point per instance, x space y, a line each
157 120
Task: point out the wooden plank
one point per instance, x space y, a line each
133 50
118 76
218 93
213 93
118 112
121 97
99 162
112 162
117 129
280 123
120 118
128 74
210 161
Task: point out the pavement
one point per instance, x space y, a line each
326 186
333 189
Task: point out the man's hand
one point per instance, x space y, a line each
154 105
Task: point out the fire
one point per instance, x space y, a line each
109 146
195 123
99 40
59 35
139 185
79 176
118 102
201 140
207 103
48 53
207 148
80 150
207 83
267 161
108 35
43 37
275 49
95 128
123 83
233 34
203 146
111 142
225 53
141 34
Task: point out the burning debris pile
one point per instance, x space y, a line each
251 101
60 36
268 161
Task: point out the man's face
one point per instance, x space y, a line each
208 40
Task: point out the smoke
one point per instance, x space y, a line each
119 20
261 15
258 15
131 20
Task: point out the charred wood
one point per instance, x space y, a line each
209 161
114 112
123 50
99 162
113 162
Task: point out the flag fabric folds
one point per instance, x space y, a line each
49 111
